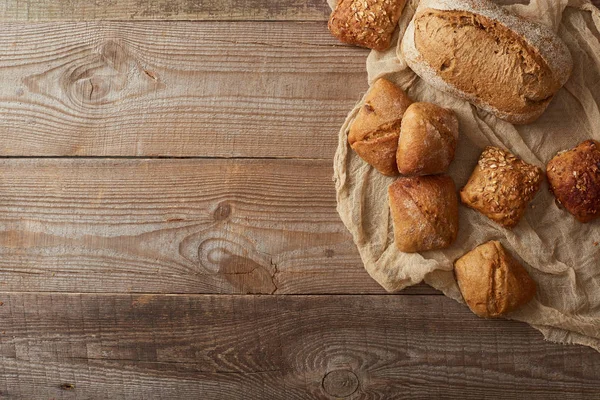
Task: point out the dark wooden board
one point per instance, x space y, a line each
277 347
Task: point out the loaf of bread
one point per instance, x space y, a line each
424 211
427 141
478 51
574 178
374 133
501 186
492 282
366 23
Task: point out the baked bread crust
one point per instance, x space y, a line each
366 23
501 186
425 212
537 63
374 133
492 282
427 143
574 178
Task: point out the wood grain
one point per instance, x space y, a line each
175 89
277 347
201 10
85 10
175 226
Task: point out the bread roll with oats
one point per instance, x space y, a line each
374 133
427 141
366 23
492 282
501 186
424 211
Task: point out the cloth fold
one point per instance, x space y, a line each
561 254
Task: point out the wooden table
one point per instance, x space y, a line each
168 223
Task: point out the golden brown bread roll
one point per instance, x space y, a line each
574 178
374 133
501 186
366 23
492 282
427 141
425 212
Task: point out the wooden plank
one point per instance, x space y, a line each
277 347
175 89
175 226
85 10
88 10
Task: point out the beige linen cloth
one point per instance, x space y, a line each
561 254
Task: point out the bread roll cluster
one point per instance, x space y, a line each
418 141
394 135
501 63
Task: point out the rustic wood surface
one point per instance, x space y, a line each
174 226
277 347
202 10
214 89
168 226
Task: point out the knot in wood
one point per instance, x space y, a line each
340 383
67 386
101 76
222 212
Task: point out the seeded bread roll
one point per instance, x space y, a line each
501 186
427 141
366 23
425 212
478 51
492 282
374 133
574 178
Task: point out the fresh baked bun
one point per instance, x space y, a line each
501 186
428 138
366 23
374 133
574 178
492 282
425 212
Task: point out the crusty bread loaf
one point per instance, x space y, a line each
501 186
492 282
374 133
425 212
476 50
428 136
574 178
366 23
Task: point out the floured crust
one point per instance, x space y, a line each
501 186
366 23
574 178
374 133
425 212
542 40
492 282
